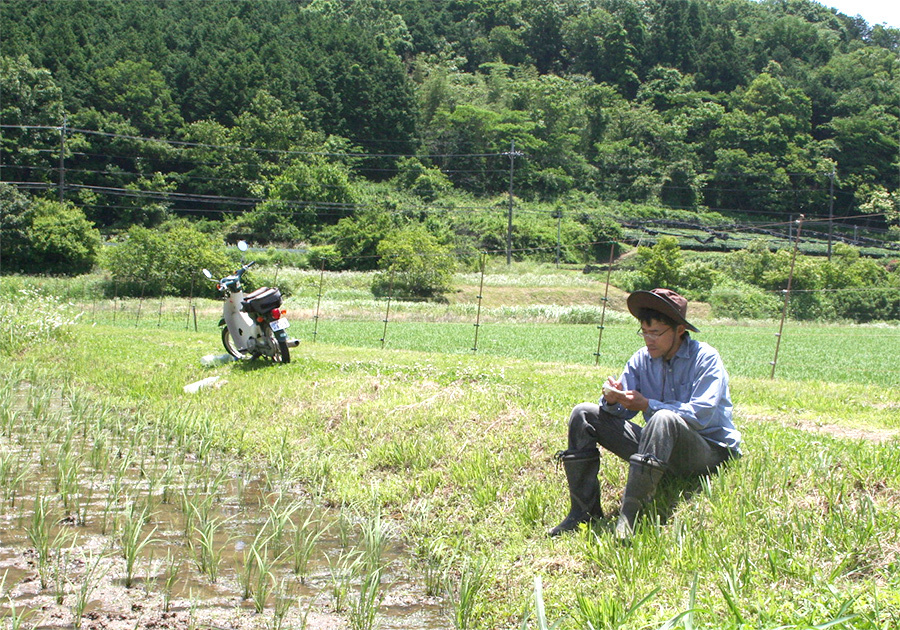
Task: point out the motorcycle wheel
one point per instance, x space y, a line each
228 342
284 353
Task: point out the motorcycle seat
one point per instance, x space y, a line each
262 300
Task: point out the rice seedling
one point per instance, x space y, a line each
342 571
278 519
39 401
65 477
363 612
284 597
10 417
195 508
81 504
131 540
207 555
13 474
303 543
265 577
345 528
171 568
248 565
433 565
39 533
166 482
99 455
14 619
375 534
464 595
61 571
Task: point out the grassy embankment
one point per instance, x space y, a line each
456 446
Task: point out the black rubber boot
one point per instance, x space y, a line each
644 473
584 488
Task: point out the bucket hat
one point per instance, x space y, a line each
664 301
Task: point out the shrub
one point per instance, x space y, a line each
324 256
744 302
45 237
165 261
661 264
269 222
428 183
414 265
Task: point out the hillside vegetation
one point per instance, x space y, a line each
276 120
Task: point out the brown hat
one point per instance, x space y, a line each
664 301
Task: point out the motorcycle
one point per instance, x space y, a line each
253 325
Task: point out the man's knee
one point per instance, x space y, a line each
584 413
581 420
661 433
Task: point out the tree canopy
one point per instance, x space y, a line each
136 110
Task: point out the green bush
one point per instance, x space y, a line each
744 302
269 222
324 257
414 265
428 183
45 237
166 261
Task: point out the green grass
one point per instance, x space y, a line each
456 447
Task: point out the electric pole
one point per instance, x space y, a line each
513 154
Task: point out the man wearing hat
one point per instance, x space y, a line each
681 387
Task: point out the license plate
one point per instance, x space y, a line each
279 324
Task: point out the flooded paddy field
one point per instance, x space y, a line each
114 522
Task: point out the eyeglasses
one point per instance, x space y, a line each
652 336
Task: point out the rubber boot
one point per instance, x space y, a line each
581 469
644 473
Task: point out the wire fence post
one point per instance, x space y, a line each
605 300
318 301
162 293
479 298
787 297
115 299
137 319
187 324
388 310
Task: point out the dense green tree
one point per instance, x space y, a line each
414 264
44 237
165 260
139 93
733 104
661 265
30 102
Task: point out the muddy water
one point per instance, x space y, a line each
94 473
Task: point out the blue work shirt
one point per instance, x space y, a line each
693 384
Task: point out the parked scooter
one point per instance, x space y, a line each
253 325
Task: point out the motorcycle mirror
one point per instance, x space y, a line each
207 274
242 245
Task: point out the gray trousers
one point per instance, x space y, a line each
666 437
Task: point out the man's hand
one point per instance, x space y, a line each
630 399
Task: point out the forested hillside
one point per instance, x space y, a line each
312 121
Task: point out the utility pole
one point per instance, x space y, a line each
558 233
62 160
830 210
513 154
